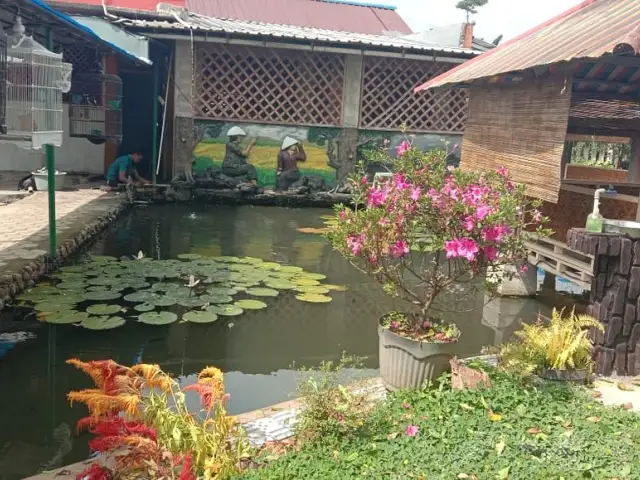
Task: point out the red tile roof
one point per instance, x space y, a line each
588 30
339 15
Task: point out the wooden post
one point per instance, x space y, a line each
566 158
633 176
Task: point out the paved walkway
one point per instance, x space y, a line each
24 224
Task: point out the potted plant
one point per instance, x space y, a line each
422 232
558 350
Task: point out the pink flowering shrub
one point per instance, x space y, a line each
430 227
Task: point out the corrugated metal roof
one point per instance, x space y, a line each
223 26
343 17
589 30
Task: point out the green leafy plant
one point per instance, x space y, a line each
328 408
562 344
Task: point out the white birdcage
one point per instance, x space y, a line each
96 107
3 83
34 91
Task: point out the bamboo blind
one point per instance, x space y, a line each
268 85
585 106
388 100
522 128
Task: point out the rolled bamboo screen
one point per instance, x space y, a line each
522 128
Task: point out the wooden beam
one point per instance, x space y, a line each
575 137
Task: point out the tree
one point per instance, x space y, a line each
471 6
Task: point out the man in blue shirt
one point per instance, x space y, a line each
123 170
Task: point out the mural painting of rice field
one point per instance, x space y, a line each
264 156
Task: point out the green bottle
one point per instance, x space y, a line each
595 221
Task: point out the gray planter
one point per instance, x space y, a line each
406 363
575 376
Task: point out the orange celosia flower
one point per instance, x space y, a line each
101 404
101 372
154 376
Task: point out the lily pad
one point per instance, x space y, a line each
217 298
226 259
221 291
291 269
313 298
262 292
225 310
102 296
144 296
269 266
280 284
163 301
317 289
105 281
200 317
312 276
250 304
51 306
64 317
102 323
189 256
73 268
103 309
305 281
144 307
154 318
103 259
192 302
77 286
335 288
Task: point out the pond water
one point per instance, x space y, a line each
256 350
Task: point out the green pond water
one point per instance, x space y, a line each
256 350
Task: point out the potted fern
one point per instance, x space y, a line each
558 350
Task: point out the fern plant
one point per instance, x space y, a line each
562 344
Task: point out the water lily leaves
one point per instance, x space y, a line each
189 256
290 269
77 286
313 298
102 296
163 301
155 318
221 291
217 298
250 304
144 296
64 317
73 268
105 281
51 306
269 266
200 317
144 307
251 260
103 259
262 292
305 281
225 259
103 309
317 289
335 288
225 310
192 302
280 284
311 276
102 323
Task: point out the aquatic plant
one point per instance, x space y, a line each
158 292
429 227
139 418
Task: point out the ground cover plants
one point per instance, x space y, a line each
516 429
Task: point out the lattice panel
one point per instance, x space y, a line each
84 60
388 100
266 85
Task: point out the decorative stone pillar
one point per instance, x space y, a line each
615 302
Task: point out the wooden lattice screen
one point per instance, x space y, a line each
84 60
522 128
269 85
388 100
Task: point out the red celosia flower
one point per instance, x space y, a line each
187 469
95 472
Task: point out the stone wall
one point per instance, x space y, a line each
615 299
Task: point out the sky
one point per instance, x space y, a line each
507 17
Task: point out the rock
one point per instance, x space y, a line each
629 318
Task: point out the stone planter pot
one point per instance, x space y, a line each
406 363
574 376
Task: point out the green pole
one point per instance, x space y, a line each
154 136
51 178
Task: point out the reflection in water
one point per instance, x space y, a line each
255 350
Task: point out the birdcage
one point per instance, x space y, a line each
95 111
3 83
34 94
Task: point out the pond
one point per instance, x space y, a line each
256 350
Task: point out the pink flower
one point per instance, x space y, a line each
394 325
483 212
400 182
403 148
426 325
537 216
399 249
364 180
415 193
343 215
468 249
468 223
377 197
491 253
383 222
503 172
451 168
412 430
524 268
451 248
355 244
510 187
495 234
455 147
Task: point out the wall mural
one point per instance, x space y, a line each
319 144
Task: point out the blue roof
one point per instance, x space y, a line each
78 26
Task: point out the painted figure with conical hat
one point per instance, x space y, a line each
236 158
290 154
